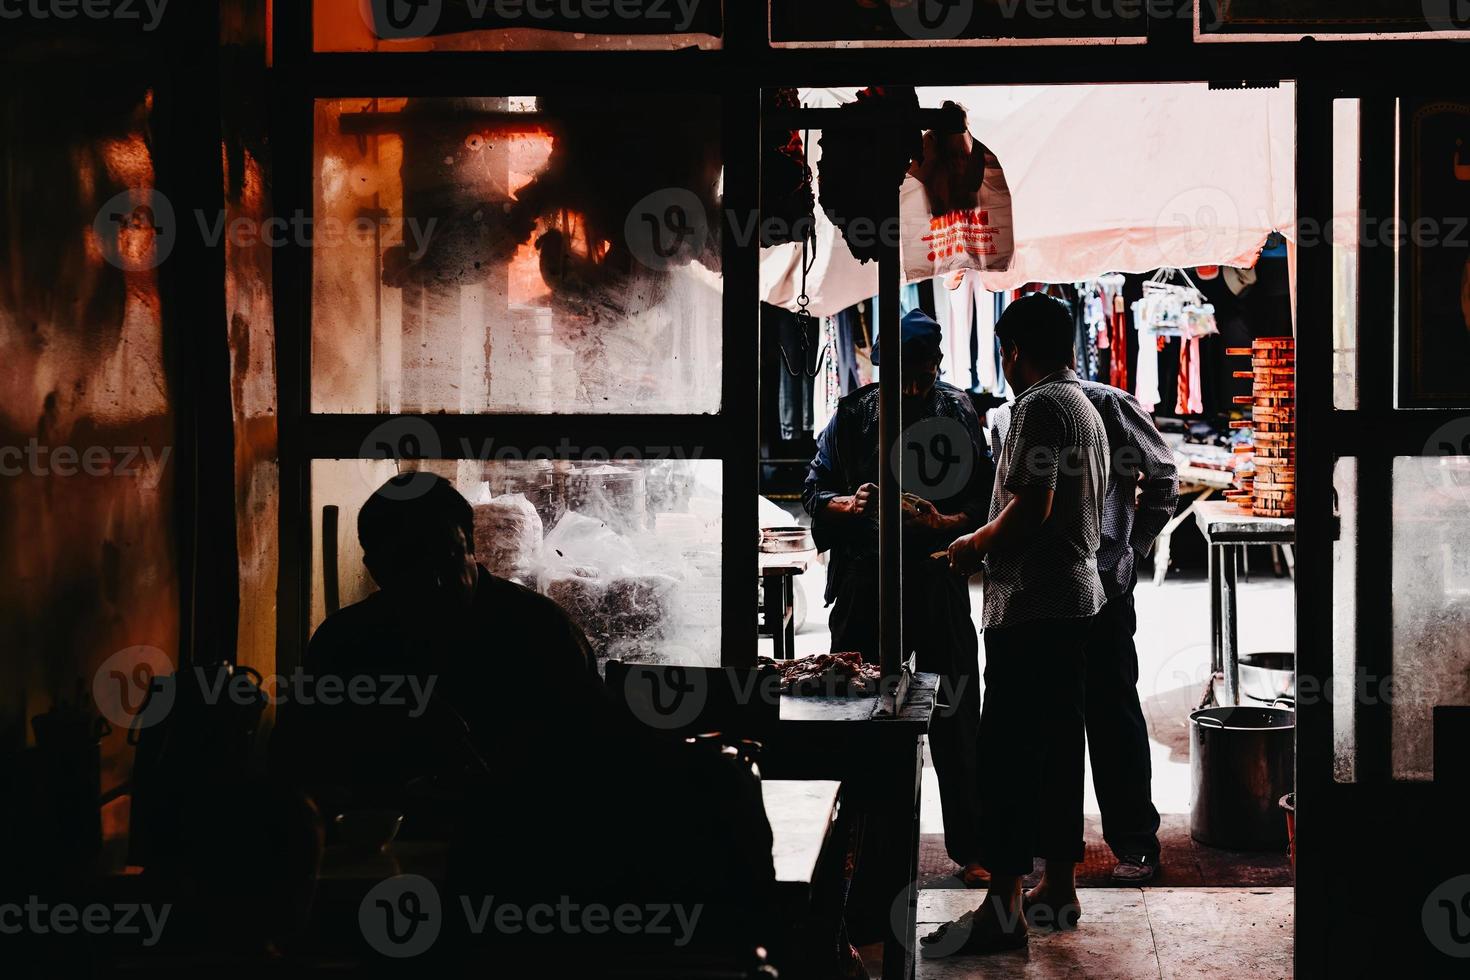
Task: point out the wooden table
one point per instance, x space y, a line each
1227 530
880 764
778 600
801 812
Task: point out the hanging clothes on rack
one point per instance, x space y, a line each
850 331
1112 334
1147 376
1172 309
801 353
968 320
1190 399
1092 322
827 387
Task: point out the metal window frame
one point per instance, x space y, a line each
1336 815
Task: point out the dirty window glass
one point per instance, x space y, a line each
630 549
517 255
1431 595
392 26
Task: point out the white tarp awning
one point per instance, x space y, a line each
1103 178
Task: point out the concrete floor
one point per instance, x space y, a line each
1132 934
1153 932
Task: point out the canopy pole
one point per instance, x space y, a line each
890 511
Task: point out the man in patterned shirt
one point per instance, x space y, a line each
1042 588
1143 490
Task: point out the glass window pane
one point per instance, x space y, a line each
630 549
510 255
1431 602
802 23
1434 313
515 25
1235 20
1345 622
1345 150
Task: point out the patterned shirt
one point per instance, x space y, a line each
1055 440
1143 482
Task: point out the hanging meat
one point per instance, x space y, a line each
787 198
861 169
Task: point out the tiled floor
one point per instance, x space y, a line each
1135 934
1163 932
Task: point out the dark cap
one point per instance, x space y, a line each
921 337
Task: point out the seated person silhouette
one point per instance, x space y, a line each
503 740
447 673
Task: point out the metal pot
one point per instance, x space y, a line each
785 540
1241 762
1268 677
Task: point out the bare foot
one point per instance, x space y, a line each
1052 907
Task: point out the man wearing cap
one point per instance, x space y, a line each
945 475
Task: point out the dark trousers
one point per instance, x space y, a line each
1117 735
938 629
1032 729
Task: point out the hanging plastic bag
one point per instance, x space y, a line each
955 208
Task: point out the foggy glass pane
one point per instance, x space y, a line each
1345 139
631 550
1431 602
1344 623
510 255
448 25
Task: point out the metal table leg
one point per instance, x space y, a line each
1228 612
1216 662
771 592
788 612
901 867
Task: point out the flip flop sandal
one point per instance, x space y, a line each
1045 915
974 876
961 938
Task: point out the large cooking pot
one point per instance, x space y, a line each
1241 762
1268 677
